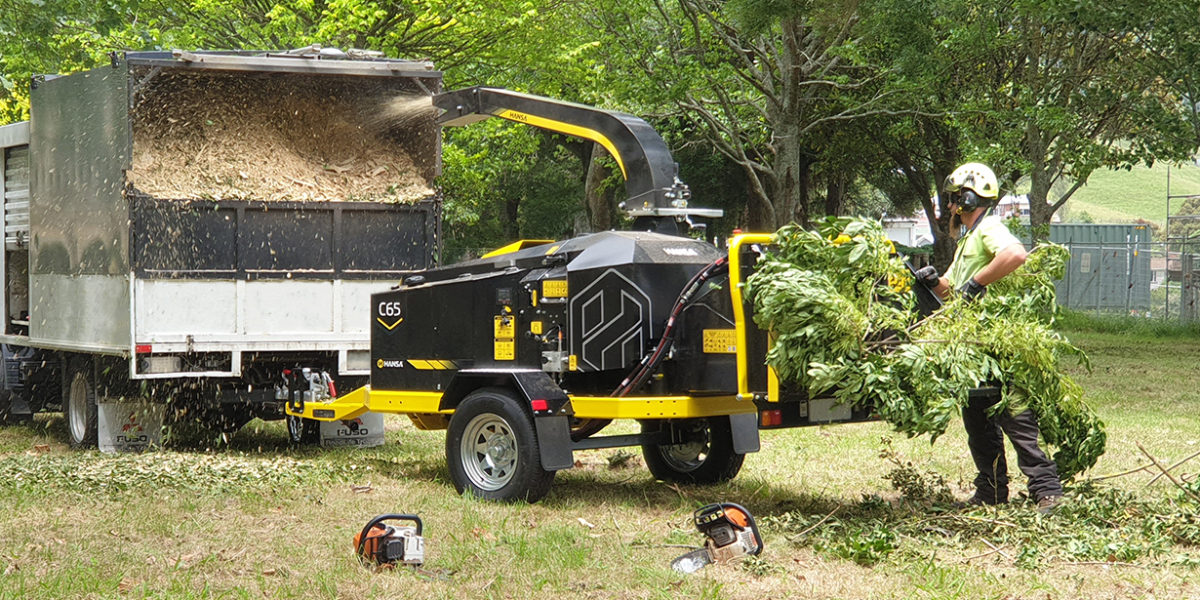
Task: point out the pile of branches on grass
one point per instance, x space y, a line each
839 304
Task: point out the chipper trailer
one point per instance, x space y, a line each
177 226
525 354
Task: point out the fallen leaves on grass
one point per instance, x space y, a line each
202 472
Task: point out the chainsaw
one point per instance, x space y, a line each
730 532
386 545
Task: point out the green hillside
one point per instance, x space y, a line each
1125 196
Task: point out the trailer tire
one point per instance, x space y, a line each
492 449
303 432
706 458
79 404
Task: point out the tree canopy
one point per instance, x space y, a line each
777 111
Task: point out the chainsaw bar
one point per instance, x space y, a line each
692 561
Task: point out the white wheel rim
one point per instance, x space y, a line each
79 406
488 452
688 456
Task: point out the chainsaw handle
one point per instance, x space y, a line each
362 537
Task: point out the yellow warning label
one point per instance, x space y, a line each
720 341
572 363
554 288
506 331
535 327
506 328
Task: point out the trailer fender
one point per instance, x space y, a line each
745 432
546 402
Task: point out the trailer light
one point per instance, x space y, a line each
771 418
539 404
142 349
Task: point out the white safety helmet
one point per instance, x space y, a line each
974 183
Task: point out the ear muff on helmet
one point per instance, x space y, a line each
968 200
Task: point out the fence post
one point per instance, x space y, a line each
1099 278
1070 267
1167 280
1129 254
1186 306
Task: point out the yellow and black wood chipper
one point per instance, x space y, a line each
526 354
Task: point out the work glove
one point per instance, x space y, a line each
927 276
972 289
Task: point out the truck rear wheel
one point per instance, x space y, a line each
704 456
492 450
79 404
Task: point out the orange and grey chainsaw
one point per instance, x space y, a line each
387 545
730 532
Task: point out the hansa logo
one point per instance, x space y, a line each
680 252
389 314
389 364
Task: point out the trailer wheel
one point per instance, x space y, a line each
705 456
492 450
79 404
303 432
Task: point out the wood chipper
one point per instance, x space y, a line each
525 354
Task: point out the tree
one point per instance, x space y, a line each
765 79
1060 90
55 36
62 36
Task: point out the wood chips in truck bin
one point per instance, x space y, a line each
293 137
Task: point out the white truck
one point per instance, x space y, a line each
205 230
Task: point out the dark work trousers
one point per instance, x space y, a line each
986 441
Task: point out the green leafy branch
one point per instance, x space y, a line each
839 305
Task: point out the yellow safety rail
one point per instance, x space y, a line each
739 318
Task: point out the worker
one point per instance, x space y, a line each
986 253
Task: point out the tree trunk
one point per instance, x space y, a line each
1040 181
599 200
835 195
790 171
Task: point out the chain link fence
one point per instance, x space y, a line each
1137 278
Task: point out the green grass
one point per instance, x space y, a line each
1126 196
256 519
1130 327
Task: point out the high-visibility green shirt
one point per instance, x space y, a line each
978 248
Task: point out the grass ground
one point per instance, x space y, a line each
255 519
